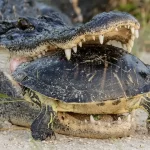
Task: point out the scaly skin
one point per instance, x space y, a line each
31 38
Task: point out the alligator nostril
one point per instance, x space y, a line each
24 24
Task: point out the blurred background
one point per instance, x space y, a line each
82 10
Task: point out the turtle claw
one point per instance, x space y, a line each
41 134
41 129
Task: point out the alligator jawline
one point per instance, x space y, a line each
120 35
97 126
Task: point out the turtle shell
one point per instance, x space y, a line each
94 73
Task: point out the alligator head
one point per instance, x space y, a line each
29 38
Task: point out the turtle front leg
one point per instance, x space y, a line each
42 126
145 103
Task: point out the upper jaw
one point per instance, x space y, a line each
105 28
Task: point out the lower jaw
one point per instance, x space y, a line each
68 124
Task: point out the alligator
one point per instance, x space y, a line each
99 46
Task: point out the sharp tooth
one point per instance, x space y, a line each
43 52
39 56
128 26
133 113
133 119
93 37
132 37
85 121
132 30
116 29
75 49
101 39
129 118
80 44
131 43
92 119
84 39
68 53
124 46
136 33
119 119
129 48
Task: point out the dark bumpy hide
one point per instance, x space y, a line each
82 75
27 35
13 9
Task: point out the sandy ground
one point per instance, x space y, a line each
15 138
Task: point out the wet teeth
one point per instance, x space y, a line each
92 119
129 47
80 44
116 29
132 37
131 43
43 52
93 37
133 119
124 46
129 118
119 120
75 49
136 33
133 113
85 121
101 39
132 30
84 39
68 53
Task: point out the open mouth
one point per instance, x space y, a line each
95 126
91 41
121 36
118 30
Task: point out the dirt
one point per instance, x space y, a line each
18 138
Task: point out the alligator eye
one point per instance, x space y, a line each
24 24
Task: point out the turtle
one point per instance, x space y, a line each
77 96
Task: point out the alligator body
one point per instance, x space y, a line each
95 61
